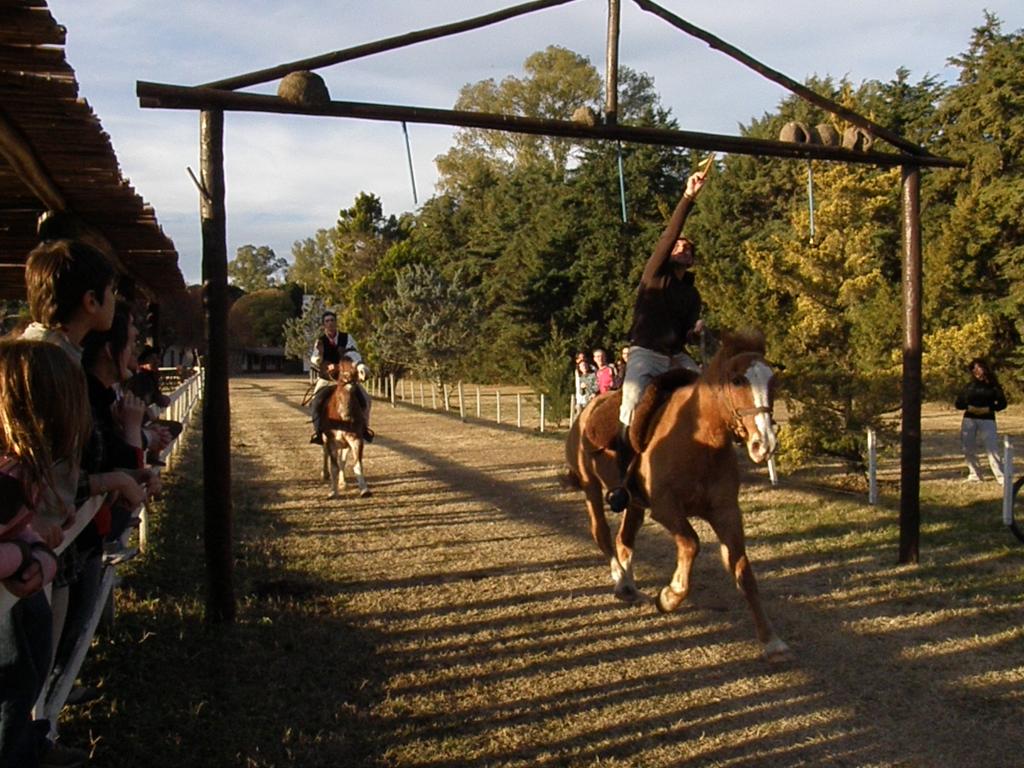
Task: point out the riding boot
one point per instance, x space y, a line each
618 497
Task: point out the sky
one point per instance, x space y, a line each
288 176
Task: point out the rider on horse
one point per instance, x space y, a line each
666 315
330 347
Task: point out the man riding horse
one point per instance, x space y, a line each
329 348
665 316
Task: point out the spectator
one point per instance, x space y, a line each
620 367
112 457
604 373
979 401
586 383
70 291
145 384
41 423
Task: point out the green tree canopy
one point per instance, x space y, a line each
258 318
256 268
428 324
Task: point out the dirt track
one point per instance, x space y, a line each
498 642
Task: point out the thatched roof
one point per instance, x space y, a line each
55 156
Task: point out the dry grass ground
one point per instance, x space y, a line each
463 617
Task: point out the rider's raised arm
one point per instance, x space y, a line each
674 228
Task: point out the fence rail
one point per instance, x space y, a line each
521 407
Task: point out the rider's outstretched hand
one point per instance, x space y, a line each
695 184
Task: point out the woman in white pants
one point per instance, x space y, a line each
979 401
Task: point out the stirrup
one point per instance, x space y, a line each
368 435
618 498
316 439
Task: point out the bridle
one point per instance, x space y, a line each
737 414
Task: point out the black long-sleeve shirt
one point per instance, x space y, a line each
981 400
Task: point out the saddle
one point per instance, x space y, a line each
603 422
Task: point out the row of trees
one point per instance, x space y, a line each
523 254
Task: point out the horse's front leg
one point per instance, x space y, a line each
325 475
632 519
357 467
728 525
331 456
621 578
343 451
687 547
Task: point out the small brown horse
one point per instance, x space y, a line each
344 419
686 467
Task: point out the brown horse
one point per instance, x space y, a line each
686 467
344 419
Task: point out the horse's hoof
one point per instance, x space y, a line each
668 600
628 593
777 652
366 493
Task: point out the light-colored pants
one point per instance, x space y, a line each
643 365
970 429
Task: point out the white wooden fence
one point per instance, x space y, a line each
515 406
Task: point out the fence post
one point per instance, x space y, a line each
541 411
433 396
1007 481
391 382
497 402
773 476
872 468
519 410
444 397
572 410
462 404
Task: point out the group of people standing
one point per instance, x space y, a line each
595 375
71 428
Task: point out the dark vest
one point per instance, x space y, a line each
332 353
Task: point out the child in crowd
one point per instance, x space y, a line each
70 291
114 450
41 423
586 381
145 384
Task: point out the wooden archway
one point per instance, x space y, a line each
215 98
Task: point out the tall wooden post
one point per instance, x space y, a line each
217 512
910 439
611 86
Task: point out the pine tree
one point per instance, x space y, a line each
830 312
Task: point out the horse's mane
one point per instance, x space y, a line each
735 343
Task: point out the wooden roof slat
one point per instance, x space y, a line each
57 155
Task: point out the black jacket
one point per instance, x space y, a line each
981 400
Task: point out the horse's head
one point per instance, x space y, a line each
344 372
746 384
